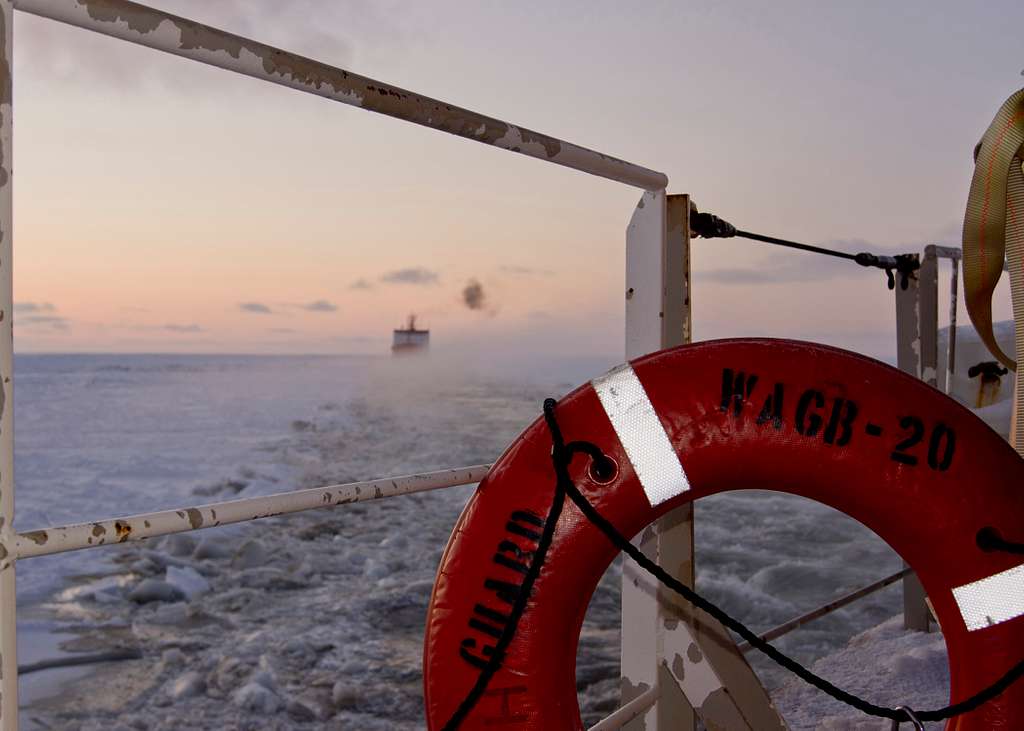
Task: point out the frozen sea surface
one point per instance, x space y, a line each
300 605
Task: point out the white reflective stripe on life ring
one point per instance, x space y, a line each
991 600
641 433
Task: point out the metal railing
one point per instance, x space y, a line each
657 315
164 522
825 609
632 710
186 38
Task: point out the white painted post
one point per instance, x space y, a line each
8 601
914 321
645 247
688 657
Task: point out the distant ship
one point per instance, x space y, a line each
409 339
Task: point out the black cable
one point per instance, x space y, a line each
500 648
989 540
798 245
709 226
561 456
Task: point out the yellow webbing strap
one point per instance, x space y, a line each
994 230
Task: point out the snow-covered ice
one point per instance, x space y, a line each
316 620
885 665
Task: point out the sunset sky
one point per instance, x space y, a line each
165 206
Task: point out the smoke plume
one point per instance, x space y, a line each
473 295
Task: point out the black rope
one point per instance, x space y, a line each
710 226
500 648
562 455
990 540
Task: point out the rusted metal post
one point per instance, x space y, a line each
8 598
182 37
928 303
912 341
954 255
951 341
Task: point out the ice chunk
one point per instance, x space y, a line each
250 555
187 685
257 698
155 590
188 581
179 544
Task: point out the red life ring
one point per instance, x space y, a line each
886 449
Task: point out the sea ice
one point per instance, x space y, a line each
188 581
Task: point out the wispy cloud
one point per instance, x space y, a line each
281 330
320 306
255 307
756 275
355 339
525 271
410 275
176 328
52 322
787 266
39 316
360 284
27 307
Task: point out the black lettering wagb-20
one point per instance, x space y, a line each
834 421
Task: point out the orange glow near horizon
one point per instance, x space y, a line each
163 206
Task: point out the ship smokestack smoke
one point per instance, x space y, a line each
473 295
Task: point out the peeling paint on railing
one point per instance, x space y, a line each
8 603
172 34
148 525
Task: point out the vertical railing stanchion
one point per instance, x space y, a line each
8 599
912 341
928 304
688 657
674 532
645 246
954 275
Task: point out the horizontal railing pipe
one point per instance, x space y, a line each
186 38
944 252
76 660
149 525
628 712
832 606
